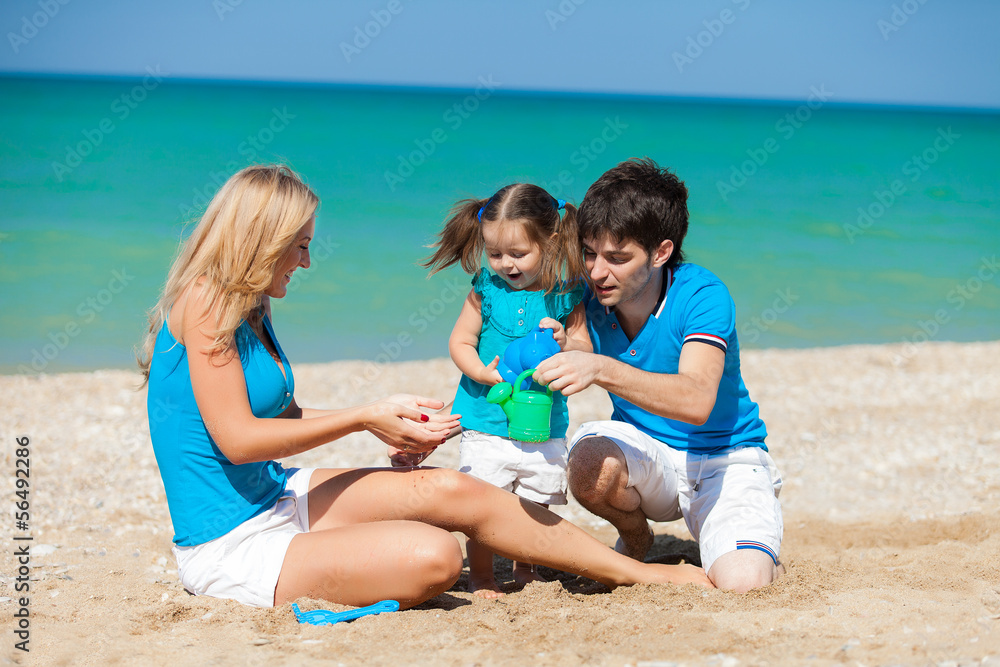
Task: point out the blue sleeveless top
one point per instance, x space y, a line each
509 314
207 494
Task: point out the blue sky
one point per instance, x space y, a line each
912 52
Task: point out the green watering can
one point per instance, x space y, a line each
528 412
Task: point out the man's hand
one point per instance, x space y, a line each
569 372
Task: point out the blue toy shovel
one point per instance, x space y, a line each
327 617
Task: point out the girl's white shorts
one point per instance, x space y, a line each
729 500
244 564
533 470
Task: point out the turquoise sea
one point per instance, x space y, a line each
831 224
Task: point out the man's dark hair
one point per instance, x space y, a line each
639 201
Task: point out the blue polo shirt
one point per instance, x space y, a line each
695 309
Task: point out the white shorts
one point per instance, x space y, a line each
244 564
729 500
533 470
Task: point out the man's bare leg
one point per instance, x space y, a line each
598 478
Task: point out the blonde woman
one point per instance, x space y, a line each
222 409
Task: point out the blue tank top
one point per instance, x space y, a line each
207 494
509 314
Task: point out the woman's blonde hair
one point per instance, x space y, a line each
249 226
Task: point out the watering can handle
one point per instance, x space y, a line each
520 378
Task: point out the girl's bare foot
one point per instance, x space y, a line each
484 586
525 573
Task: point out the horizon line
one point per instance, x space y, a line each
509 92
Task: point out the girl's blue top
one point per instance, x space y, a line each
207 494
509 314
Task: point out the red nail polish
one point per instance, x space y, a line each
444 440
424 418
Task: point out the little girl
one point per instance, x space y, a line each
530 249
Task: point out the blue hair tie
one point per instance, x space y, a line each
484 207
560 204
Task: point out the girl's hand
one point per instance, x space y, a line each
558 331
490 375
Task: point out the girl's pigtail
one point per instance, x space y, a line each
461 240
570 250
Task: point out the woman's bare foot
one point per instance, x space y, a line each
484 586
525 573
679 575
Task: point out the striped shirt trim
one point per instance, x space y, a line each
711 339
749 544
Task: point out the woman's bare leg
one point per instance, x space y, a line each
525 573
511 527
365 563
482 581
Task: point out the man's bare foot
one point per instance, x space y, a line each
635 545
485 587
525 573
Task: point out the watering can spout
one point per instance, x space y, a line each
500 395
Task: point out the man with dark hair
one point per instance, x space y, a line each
685 440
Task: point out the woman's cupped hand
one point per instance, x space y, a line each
411 425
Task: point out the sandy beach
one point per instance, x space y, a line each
892 533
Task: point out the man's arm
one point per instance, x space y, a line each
689 396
